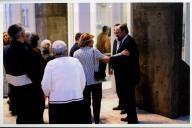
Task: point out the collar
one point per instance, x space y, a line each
86 47
123 38
16 42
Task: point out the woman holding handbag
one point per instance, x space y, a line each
89 58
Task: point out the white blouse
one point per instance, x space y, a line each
63 80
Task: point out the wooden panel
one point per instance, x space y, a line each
51 21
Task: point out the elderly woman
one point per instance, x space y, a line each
89 58
63 82
46 50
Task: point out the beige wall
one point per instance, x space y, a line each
51 21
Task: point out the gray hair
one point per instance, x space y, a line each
59 48
28 35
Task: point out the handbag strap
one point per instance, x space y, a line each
94 58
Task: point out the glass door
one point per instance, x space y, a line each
108 14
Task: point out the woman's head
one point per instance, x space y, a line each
5 38
16 32
28 36
46 47
59 48
34 40
86 39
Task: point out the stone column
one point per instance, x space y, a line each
157 29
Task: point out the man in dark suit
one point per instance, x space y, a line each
126 71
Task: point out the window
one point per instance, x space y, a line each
25 15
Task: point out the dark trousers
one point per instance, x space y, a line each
119 91
126 94
30 104
129 94
94 91
12 102
67 113
102 68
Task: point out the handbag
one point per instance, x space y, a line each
99 75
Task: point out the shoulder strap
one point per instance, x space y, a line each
94 58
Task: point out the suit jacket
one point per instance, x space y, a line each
126 68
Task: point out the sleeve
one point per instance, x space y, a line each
98 54
46 81
71 51
118 54
75 54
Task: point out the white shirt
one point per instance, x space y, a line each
119 42
63 80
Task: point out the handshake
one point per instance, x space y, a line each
125 52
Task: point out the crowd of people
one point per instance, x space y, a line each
71 83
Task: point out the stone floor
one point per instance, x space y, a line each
109 116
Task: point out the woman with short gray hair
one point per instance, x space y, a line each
63 83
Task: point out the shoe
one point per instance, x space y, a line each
13 113
133 122
123 111
5 97
117 108
124 119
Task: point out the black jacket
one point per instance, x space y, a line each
16 59
19 59
126 67
74 48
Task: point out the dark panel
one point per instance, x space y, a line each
157 29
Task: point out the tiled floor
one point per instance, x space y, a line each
109 116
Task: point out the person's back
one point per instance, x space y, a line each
103 41
16 59
66 76
63 83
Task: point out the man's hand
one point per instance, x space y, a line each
106 59
125 52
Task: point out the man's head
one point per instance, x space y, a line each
115 29
16 32
77 36
105 29
5 38
59 48
121 31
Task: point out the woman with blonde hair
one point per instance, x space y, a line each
46 50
